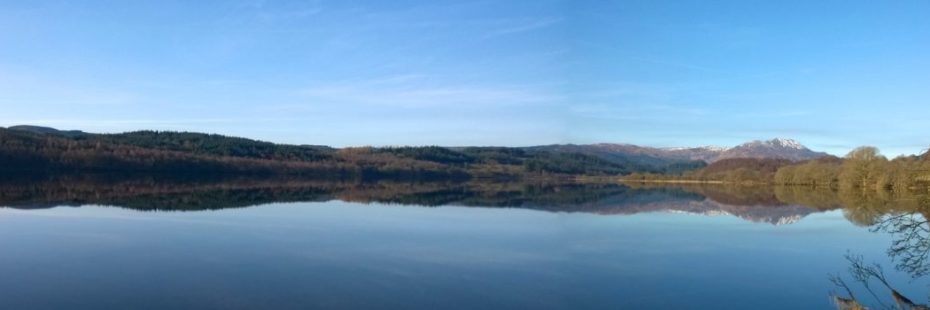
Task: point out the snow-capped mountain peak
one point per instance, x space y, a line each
774 148
774 143
780 148
788 143
714 148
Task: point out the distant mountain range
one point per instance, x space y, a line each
605 157
644 155
47 130
774 148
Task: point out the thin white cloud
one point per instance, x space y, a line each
774 114
523 27
19 87
418 91
640 111
123 124
426 97
398 79
668 63
272 12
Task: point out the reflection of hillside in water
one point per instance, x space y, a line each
776 215
172 193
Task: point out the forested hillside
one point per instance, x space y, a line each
37 149
640 159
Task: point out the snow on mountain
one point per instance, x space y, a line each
775 148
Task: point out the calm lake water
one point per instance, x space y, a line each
142 245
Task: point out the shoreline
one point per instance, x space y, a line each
677 181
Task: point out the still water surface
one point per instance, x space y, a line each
621 249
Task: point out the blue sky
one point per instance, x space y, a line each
831 74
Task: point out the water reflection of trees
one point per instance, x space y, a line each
725 194
910 245
189 194
174 192
864 275
902 215
185 193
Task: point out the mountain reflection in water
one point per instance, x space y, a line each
886 235
760 204
756 204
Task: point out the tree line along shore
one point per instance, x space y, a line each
49 151
862 168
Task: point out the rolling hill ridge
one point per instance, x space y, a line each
777 148
43 148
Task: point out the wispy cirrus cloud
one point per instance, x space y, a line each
18 87
427 97
109 124
417 91
523 26
270 11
